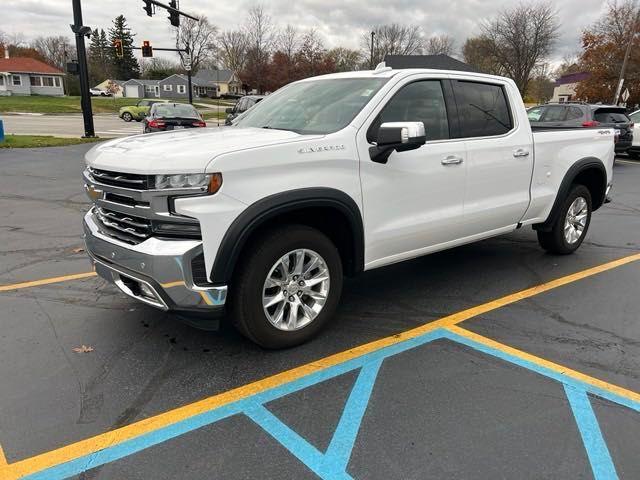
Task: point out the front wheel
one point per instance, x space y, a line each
287 288
570 228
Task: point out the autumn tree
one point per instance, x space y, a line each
603 49
521 38
477 52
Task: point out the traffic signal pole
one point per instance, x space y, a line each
85 99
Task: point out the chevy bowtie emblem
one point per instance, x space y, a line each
92 192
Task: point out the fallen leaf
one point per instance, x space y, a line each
83 349
78 250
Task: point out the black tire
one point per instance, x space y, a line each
554 241
245 302
138 120
127 117
634 155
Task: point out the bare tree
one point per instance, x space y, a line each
56 49
440 45
232 49
288 41
199 37
393 39
345 59
261 36
521 38
478 52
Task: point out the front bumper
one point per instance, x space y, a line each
156 272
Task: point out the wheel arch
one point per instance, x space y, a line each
336 214
591 173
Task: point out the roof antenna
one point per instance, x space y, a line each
382 67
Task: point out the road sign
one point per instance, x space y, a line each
625 95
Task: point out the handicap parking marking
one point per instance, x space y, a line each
251 398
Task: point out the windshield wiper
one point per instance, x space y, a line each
269 127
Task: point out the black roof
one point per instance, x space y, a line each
436 62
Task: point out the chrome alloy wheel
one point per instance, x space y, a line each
576 220
296 289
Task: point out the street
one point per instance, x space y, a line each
72 125
470 363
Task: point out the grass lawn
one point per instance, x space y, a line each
34 141
213 115
42 104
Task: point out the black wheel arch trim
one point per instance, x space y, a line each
569 177
258 213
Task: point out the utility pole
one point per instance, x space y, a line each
626 54
373 34
189 85
83 71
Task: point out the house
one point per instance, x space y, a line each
565 89
118 90
226 81
175 86
136 88
28 76
436 62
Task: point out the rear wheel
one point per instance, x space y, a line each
287 288
570 228
127 117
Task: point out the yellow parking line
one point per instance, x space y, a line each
623 392
46 281
107 439
3 459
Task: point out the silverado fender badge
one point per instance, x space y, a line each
321 148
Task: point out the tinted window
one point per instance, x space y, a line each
417 102
169 110
634 117
554 114
483 109
534 114
610 117
574 113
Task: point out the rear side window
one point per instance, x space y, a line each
574 113
421 101
483 109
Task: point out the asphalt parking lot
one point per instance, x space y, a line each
493 360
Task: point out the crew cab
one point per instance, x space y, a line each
331 176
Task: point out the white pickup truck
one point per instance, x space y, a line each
331 176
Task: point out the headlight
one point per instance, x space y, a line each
211 181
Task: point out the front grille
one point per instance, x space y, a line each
199 271
124 180
127 228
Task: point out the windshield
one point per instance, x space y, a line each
175 111
312 107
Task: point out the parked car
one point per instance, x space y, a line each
96 92
330 176
244 104
572 115
634 149
138 111
172 116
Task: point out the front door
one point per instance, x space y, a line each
157 91
414 202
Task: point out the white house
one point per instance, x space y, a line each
28 76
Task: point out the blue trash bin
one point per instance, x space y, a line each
1 131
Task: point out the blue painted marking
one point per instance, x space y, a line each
597 451
344 437
252 406
298 446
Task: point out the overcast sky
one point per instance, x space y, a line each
340 22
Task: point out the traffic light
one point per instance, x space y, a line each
174 16
117 43
147 49
148 7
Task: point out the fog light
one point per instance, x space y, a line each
146 291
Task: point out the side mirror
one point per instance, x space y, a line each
229 110
399 137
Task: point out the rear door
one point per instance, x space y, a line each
499 155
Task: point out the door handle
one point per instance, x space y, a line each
451 160
521 152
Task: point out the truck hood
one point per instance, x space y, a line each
185 151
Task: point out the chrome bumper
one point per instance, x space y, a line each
156 272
